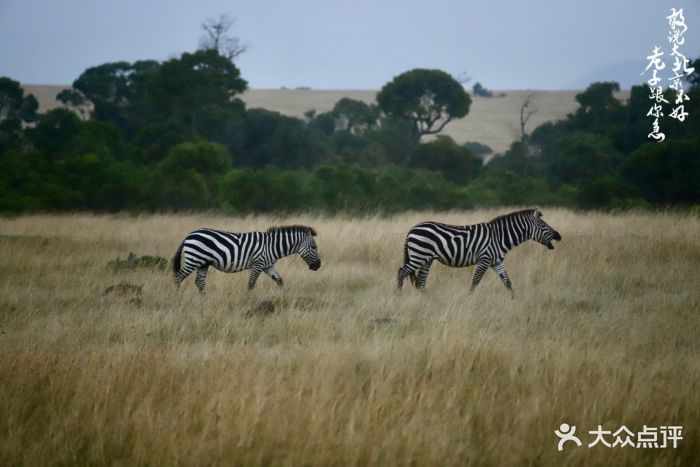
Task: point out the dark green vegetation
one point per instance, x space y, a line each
173 136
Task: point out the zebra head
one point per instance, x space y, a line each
309 251
541 231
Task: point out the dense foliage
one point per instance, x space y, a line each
174 135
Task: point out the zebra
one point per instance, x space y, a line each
484 245
234 252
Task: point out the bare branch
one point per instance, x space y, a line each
218 35
438 129
526 111
463 78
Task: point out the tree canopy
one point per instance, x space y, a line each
174 135
429 99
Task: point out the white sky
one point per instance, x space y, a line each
358 44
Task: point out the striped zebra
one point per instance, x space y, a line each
484 245
234 252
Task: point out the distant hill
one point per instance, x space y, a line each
494 121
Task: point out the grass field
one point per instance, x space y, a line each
340 370
491 121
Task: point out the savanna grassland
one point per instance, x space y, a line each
604 330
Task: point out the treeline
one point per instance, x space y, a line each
173 136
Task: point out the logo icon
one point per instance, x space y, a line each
566 434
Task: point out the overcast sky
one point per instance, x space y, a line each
353 44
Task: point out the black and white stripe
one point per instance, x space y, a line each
234 252
484 245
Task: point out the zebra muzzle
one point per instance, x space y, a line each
315 266
556 237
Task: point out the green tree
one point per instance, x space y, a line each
478 148
359 115
53 136
481 91
666 173
13 102
75 100
116 92
265 190
15 109
187 177
582 156
600 111
270 138
97 182
429 99
198 88
456 163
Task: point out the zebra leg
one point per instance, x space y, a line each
478 274
405 270
181 275
272 272
201 279
500 269
423 275
254 273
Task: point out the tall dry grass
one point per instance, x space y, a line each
603 330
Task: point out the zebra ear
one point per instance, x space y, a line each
537 213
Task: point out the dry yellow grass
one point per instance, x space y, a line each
603 330
491 121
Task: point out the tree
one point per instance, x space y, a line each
54 134
217 36
196 88
481 91
478 148
457 164
75 100
599 108
358 114
15 109
116 92
526 111
13 102
428 99
271 138
665 173
186 178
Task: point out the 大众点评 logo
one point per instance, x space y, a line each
649 438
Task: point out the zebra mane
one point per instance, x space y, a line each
513 214
292 228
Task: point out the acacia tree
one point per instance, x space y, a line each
427 99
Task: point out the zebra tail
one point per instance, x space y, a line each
414 276
176 259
